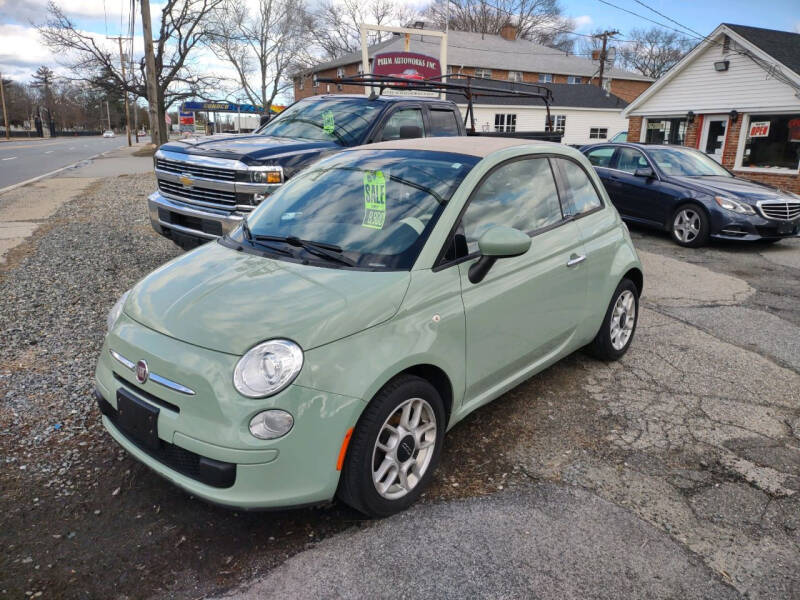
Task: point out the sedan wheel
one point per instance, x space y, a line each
404 449
690 226
616 332
623 318
395 448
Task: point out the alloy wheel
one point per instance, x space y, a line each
404 448
687 225
623 318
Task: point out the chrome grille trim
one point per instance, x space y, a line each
780 210
213 198
154 377
180 167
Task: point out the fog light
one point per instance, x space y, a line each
259 198
271 424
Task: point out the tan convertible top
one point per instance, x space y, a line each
479 146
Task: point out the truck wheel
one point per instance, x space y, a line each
619 325
395 448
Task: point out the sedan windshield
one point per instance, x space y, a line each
364 208
340 120
688 163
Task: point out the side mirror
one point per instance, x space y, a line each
498 242
645 172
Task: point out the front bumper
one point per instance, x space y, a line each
752 227
204 444
168 216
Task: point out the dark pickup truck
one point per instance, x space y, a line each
207 185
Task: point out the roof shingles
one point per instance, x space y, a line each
783 46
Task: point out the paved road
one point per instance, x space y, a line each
25 159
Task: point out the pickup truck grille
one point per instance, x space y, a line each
784 211
201 195
174 166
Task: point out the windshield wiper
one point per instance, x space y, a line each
330 251
248 235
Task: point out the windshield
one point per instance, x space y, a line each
377 207
689 163
341 120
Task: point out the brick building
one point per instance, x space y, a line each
736 96
501 56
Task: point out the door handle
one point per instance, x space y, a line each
576 260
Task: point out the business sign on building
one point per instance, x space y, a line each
221 107
759 129
186 118
408 65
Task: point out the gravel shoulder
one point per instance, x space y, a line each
694 438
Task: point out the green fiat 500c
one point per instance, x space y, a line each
326 346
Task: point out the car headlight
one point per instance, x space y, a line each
267 368
734 205
268 174
116 310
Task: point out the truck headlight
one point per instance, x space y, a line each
267 368
734 205
268 174
116 310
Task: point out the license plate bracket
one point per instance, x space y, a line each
138 419
785 228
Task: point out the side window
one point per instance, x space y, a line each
600 157
630 159
520 194
444 123
404 123
579 196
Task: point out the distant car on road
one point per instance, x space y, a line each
108 133
326 345
683 191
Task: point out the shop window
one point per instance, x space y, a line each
515 75
665 131
574 79
545 78
772 142
505 122
314 81
598 133
483 73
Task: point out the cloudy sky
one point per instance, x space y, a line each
21 51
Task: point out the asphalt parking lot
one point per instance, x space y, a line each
673 473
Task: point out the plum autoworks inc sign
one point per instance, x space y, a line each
408 65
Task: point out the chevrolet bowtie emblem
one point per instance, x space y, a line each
186 180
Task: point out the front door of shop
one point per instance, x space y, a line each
712 141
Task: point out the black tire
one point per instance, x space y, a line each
704 227
356 486
602 346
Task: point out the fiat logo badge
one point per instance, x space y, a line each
142 371
186 180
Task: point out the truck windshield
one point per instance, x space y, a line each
340 120
375 209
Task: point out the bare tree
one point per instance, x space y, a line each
182 29
43 80
539 21
335 23
653 52
260 45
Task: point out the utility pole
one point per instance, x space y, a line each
136 117
5 114
124 88
108 112
604 52
150 72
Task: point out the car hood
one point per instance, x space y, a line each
226 300
732 187
246 146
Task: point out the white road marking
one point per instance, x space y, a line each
72 147
49 152
10 158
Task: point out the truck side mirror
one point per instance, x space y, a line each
498 242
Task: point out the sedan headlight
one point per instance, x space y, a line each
116 310
267 368
734 205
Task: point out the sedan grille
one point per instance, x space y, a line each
174 166
199 195
784 211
